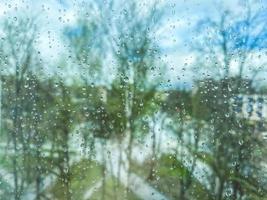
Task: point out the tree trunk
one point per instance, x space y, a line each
67 178
151 174
103 170
15 135
219 195
113 176
129 152
15 170
120 163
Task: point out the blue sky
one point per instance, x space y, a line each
174 36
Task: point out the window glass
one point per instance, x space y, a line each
117 99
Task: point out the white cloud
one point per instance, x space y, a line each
174 35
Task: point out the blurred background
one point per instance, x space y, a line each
117 99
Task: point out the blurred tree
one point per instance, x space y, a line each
135 53
131 97
228 71
18 59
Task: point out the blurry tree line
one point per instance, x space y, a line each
40 113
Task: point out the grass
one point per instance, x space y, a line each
84 175
120 194
167 177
